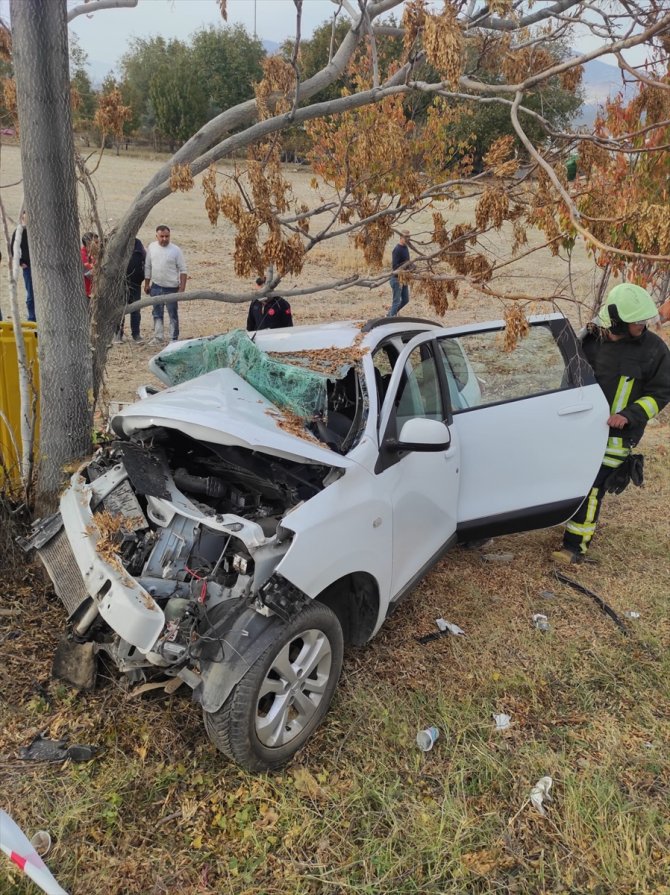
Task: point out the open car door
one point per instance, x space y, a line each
531 425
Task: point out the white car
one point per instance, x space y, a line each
281 500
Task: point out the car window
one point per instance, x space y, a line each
480 372
419 390
383 360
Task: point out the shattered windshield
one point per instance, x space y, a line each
291 386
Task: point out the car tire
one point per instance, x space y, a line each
283 697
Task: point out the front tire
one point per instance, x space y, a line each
282 699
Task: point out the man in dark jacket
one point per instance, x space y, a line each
632 366
270 312
134 278
399 261
24 263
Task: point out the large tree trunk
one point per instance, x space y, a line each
40 56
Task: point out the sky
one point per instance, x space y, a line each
105 34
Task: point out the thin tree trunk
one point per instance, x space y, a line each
40 57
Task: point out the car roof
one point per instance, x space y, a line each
338 334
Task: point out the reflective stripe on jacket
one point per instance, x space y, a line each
634 374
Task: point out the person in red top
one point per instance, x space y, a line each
89 253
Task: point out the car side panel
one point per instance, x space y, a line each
345 528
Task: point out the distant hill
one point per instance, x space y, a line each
601 81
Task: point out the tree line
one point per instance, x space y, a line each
168 89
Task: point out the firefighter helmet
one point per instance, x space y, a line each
627 303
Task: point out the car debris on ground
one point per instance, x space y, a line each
539 794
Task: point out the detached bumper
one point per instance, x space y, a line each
127 607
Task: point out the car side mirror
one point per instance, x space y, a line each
420 434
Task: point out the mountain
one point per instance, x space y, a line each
600 82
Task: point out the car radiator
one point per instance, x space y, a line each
59 562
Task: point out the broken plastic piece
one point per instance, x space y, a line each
16 845
502 721
43 749
425 739
448 626
541 622
630 613
540 794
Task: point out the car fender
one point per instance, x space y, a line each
346 528
243 643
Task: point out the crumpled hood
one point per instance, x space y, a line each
221 408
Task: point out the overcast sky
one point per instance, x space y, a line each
105 34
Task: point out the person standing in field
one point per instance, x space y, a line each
399 261
89 254
164 274
270 312
632 366
24 264
134 278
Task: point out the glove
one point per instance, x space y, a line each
636 463
631 470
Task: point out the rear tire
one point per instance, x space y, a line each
282 699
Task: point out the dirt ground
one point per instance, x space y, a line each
209 255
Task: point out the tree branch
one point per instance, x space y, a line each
87 9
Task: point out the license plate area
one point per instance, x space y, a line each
123 502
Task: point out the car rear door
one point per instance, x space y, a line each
531 423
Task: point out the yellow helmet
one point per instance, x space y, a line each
629 303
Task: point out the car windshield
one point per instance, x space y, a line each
290 385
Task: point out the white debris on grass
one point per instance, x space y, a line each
540 794
448 626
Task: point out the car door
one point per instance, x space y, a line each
531 423
422 485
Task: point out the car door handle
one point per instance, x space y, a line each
575 408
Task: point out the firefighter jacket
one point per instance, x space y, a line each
634 374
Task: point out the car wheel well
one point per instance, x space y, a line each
355 601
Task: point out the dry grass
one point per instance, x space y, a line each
361 810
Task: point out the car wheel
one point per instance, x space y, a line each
282 698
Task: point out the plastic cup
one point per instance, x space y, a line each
425 739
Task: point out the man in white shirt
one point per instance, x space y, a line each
164 273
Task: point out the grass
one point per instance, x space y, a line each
361 811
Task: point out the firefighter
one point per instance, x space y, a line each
632 366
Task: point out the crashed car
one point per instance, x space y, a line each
282 495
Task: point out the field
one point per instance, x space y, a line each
362 811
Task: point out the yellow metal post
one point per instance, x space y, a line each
10 400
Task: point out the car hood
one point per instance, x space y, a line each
221 408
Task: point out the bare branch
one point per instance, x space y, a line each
640 77
87 9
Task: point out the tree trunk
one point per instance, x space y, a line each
40 56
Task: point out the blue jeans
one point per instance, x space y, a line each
400 296
173 309
30 297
